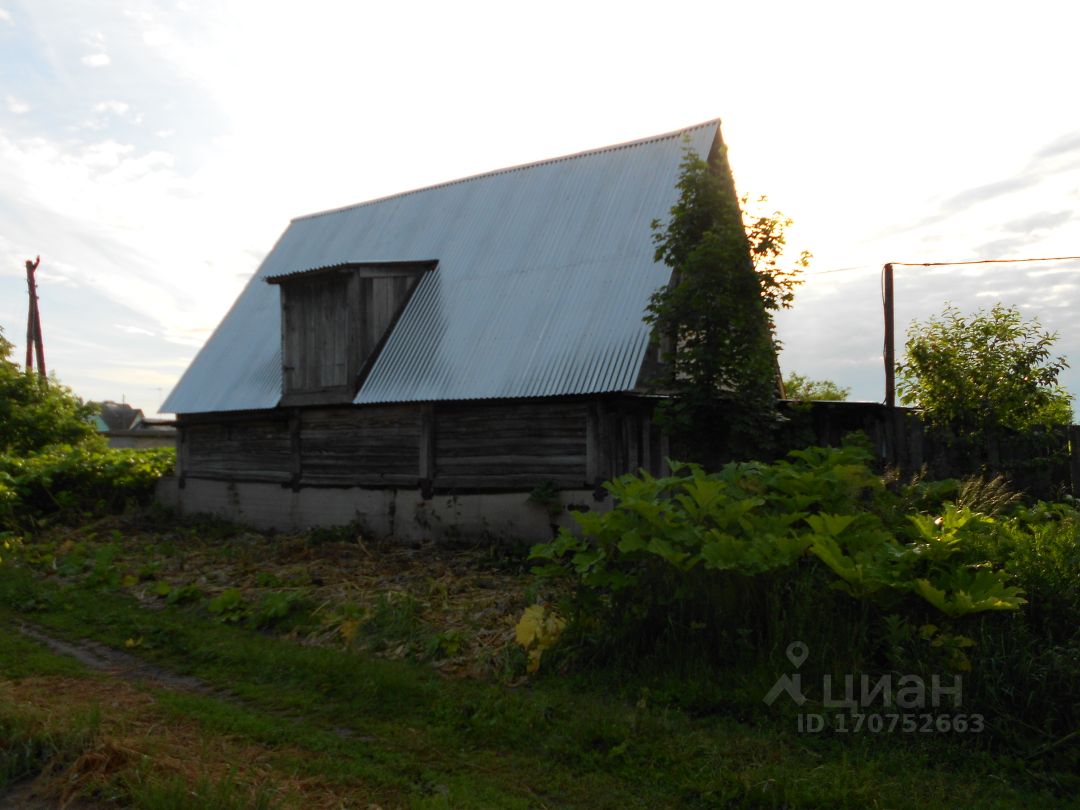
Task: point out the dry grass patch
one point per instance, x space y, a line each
114 744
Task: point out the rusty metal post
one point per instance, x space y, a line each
34 340
30 337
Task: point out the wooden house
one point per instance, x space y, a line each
428 359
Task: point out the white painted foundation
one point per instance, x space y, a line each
399 513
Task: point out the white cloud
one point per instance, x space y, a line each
5 16
120 219
115 107
96 60
17 106
158 37
94 40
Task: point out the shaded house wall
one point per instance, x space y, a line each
414 470
440 448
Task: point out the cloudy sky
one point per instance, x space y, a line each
152 151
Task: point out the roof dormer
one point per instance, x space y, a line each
334 321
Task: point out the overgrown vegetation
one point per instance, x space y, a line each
53 464
982 374
341 721
724 571
35 413
987 385
801 387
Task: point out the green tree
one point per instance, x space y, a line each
713 319
34 412
984 373
766 233
796 386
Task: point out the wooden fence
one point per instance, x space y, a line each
1045 463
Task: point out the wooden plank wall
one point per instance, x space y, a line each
381 301
480 445
318 347
258 449
622 438
447 447
333 325
374 446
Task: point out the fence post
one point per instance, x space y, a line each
916 438
1074 459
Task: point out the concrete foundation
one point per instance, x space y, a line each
399 513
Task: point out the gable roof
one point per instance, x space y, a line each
544 272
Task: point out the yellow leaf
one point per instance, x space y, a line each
536 631
528 627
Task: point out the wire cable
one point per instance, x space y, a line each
987 261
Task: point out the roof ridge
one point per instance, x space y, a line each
519 167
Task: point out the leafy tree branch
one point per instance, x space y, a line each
714 319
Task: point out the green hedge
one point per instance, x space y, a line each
75 480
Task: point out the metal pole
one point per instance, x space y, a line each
890 339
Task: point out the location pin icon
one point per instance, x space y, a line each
797 653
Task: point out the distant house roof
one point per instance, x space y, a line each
544 273
116 416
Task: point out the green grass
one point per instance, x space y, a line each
421 740
25 747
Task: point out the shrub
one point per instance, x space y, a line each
34 412
685 553
727 569
87 478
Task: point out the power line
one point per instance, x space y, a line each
813 273
887 305
985 261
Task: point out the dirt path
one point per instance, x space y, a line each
100 658
110 661
135 732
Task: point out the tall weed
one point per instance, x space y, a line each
730 567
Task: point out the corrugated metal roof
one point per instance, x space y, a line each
545 271
277 278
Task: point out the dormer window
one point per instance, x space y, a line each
334 321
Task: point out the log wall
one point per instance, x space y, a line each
373 446
487 445
258 449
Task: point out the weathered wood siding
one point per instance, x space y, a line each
622 438
333 324
371 446
481 445
446 446
380 302
319 342
258 449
